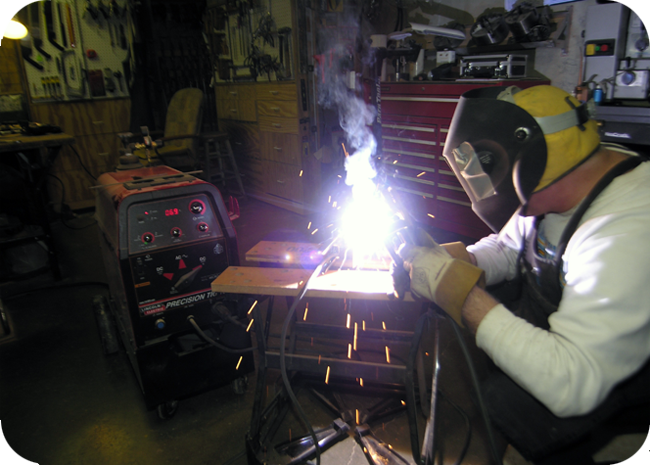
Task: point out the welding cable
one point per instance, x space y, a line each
477 388
82 164
63 203
468 426
211 341
327 260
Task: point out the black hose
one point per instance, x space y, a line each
82 163
211 341
283 363
477 387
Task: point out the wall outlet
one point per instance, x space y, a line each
447 56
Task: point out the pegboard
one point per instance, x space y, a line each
239 36
82 47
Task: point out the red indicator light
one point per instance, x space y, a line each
604 48
172 212
146 213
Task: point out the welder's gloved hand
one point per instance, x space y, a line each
440 278
457 250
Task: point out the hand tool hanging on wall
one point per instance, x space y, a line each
26 49
25 43
49 24
35 29
70 19
61 24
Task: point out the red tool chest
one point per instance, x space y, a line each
413 119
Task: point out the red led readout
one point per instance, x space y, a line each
172 212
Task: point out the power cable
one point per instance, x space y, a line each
477 387
82 164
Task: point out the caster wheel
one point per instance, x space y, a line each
167 410
239 385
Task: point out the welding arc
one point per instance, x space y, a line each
283 337
211 341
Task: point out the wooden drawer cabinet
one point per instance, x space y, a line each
274 108
276 91
278 124
279 147
285 180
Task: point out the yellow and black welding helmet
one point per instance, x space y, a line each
505 145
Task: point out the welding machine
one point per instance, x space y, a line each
165 236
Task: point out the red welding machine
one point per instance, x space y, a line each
165 236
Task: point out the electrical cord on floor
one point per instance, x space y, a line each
477 388
324 264
63 203
82 164
209 340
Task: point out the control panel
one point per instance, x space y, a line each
171 222
601 47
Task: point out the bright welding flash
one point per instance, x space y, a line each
366 222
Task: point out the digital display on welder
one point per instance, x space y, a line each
171 222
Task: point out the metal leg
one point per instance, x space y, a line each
409 384
428 449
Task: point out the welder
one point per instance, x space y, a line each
565 317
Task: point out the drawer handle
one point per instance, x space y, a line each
98 122
276 109
280 181
274 92
232 92
277 125
277 149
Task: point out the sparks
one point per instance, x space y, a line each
252 307
421 174
363 325
300 175
383 325
239 362
347 322
357 415
349 350
387 355
314 231
250 324
327 375
394 162
361 381
429 214
309 225
345 151
356 328
304 317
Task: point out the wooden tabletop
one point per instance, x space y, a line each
15 142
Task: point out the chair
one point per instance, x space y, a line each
180 137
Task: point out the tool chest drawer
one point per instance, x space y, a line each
280 147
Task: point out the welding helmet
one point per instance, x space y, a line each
505 145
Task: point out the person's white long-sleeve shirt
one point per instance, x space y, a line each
600 334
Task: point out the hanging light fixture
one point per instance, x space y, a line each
10 26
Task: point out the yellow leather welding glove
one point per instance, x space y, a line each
457 250
439 277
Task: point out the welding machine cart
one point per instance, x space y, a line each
165 236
